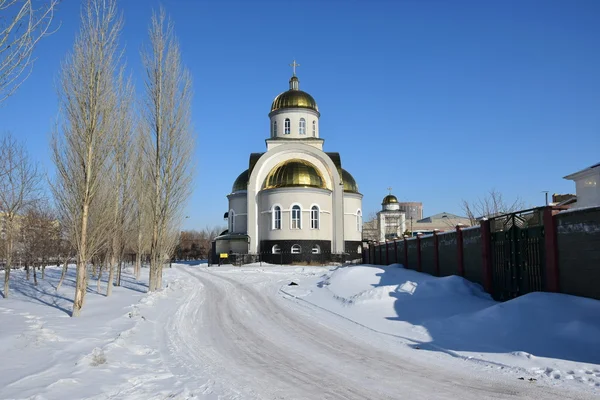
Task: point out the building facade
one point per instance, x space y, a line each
295 202
587 186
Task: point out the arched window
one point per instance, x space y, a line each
359 250
276 216
296 217
314 128
287 126
316 249
359 221
276 249
302 127
296 249
231 221
274 128
314 217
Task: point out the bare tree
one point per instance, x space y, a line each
490 205
123 164
39 229
138 237
20 185
169 141
22 26
82 148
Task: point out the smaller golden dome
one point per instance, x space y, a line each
389 199
241 182
350 184
294 98
294 173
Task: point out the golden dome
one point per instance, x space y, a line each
389 199
241 182
294 98
294 173
349 182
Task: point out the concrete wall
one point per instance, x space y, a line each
352 204
294 116
578 236
238 202
286 198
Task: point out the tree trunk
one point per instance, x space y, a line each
119 272
138 266
100 277
6 279
9 246
111 275
43 270
80 276
63 273
34 275
27 270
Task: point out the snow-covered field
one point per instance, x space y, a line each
361 332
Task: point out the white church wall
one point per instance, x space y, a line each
352 204
238 202
286 198
295 114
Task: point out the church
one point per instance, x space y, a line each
295 202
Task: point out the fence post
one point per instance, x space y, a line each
419 266
551 247
405 253
460 250
486 253
396 251
436 253
380 254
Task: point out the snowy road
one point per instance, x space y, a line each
253 343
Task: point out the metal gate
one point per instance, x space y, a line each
518 256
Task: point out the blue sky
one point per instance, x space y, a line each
441 100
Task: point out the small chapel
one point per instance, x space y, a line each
294 202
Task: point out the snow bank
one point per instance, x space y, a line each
546 335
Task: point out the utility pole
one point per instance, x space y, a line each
546 192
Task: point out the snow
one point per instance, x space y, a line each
342 333
547 335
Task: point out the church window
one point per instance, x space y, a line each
231 221
296 249
296 217
274 128
302 126
316 249
287 126
276 249
359 221
276 217
314 128
314 217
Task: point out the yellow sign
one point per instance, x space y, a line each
223 255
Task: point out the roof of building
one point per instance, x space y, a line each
575 175
441 216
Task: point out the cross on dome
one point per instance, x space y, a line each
390 189
294 64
